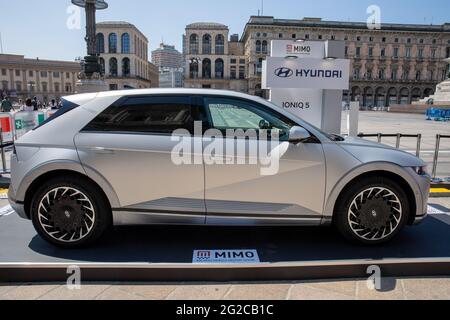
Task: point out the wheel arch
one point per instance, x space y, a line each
387 170
38 180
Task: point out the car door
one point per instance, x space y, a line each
243 187
130 145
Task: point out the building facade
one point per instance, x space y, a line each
167 56
21 77
212 60
171 77
169 61
123 51
397 64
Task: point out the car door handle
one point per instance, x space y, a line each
101 150
221 158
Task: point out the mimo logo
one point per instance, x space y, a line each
284 72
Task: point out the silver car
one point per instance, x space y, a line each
113 158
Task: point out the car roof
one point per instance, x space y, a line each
157 91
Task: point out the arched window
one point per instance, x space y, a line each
258 46
404 96
219 69
220 44
206 69
101 61
206 44
113 67
113 43
100 43
264 47
193 44
126 67
193 69
125 43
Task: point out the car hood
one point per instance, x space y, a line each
368 151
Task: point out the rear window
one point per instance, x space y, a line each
66 107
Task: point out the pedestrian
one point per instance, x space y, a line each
35 104
6 105
53 104
20 104
28 105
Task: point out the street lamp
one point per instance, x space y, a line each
91 64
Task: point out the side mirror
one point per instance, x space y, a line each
298 134
263 124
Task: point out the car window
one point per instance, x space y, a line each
239 114
66 106
148 115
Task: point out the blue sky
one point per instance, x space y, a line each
38 28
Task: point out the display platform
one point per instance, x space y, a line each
166 254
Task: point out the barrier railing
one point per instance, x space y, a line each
398 136
439 137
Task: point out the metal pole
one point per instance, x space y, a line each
379 138
399 136
419 145
3 151
436 155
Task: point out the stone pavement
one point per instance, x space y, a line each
392 289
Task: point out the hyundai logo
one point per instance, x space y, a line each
284 72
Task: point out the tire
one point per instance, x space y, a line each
70 212
372 211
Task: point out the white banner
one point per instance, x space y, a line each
303 49
304 103
306 73
27 121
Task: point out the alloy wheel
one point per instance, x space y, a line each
66 214
375 214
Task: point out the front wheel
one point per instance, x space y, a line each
70 212
372 211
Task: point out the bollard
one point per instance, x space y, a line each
2 151
379 138
419 145
399 136
436 155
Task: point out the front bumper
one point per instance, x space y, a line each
424 183
18 207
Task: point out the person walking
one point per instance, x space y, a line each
28 105
6 105
35 104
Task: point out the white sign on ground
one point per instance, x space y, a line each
306 73
304 103
225 257
6 211
304 49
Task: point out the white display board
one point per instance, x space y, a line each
304 103
306 73
303 49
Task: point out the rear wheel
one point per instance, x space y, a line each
372 211
70 212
